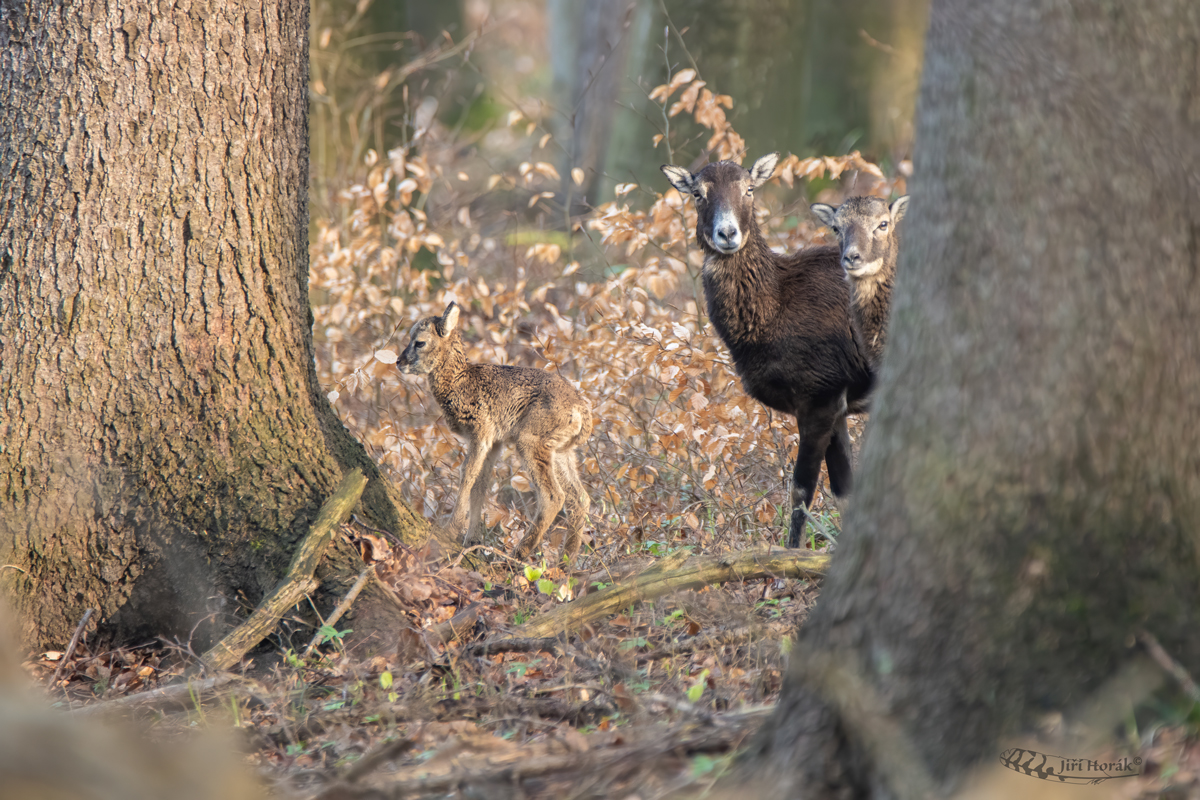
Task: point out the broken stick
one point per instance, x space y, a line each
298 581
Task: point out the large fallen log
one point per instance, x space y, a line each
298 581
670 577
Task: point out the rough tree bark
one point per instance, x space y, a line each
1030 491
163 439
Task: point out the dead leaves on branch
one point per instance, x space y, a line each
706 108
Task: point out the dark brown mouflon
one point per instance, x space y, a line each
542 415
785 319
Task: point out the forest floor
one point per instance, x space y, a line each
643 700
515 681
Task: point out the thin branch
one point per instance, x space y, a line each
177 694
672 576
1169 665
341 608
878 45
70 651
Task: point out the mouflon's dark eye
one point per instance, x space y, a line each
833 228
420 344
883 225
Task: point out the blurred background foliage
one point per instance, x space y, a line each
504 154
808 76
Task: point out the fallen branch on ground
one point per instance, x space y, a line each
296 584
70 651
547 644
175 695
454 627
695 572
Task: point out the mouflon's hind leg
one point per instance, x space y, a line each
539 460
577 503
837 460
816 433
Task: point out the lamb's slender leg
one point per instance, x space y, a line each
539 460
460 519
816 433
577 503
479 493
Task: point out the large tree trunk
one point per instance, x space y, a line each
163 440
1030 490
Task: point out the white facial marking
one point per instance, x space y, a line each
725 235
865 269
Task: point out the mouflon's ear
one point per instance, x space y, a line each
763 169
448 321
680 178
898 207
825 213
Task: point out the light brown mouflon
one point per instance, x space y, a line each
539 413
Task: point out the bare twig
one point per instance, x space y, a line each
737 636
70 651
462 553
816 523
377 758
341 608
354 517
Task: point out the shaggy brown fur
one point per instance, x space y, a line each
868 232
784 318
541 414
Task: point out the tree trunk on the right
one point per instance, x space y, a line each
1029 496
